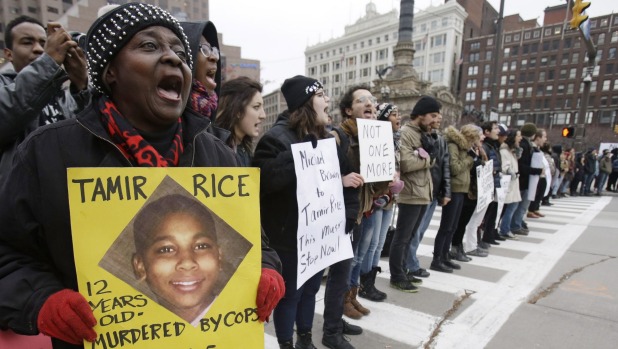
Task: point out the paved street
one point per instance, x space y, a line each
556 288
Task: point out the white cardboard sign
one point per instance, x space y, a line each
377 150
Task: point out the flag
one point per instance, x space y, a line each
586 28
459 61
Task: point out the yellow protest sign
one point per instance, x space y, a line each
168 257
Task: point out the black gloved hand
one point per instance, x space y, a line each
428 144
349 225
472 153
311 138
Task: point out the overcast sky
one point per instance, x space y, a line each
276 32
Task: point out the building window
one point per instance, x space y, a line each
32 9
536 34
324 68
52 10
471 83
488 55
527 35
611 53
312 71
575 58
487 69
572 73
507 51
606 85
516 37
615 35
601 39
438 40
547 31
507 38
490 41
419 61
470 96
557 30
474 57
473 70
475 46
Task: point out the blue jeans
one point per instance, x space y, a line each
507 217
601 180
520 211
588 178
412 263
367 232
381 222
297 305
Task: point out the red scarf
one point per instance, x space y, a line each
132 144
201 101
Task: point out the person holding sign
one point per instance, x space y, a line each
356 103
141 73
177 255
303 121
381 215
418 154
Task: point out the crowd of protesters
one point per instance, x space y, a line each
153 97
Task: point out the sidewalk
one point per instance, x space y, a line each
576 306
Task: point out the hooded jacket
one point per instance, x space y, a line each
195 31
441 169
460 161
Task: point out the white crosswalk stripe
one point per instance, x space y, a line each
499 283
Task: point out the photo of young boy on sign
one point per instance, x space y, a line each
177 252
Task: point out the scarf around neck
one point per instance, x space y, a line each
202 101
133 146
349 127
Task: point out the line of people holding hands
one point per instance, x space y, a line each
146 91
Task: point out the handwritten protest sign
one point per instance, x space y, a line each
484 185
377 150
501 194
162 257
533 182
321 211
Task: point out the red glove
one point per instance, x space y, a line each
66 315
270 291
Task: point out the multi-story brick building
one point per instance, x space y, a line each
541 69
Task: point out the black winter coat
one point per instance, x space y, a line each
36 251
524 164
278 204
441 169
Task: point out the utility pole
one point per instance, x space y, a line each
578 18
495 60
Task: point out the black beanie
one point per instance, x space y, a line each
385 110
108 35
426 105
298 90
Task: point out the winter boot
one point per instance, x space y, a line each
368 289
447 261
438 265
348 308
286 345
460 255
303 341
356 304
336 341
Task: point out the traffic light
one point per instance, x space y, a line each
578 18
568 132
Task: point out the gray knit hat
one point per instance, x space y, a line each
108 35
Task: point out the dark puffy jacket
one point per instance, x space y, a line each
524 164
492 149
36 250
441 169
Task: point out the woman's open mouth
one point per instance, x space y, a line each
170 88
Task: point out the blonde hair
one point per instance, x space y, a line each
471 133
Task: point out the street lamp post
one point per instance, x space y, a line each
516 107
385 91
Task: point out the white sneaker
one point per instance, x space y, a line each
510 236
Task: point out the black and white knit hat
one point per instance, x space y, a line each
385 110
108 35
298 90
